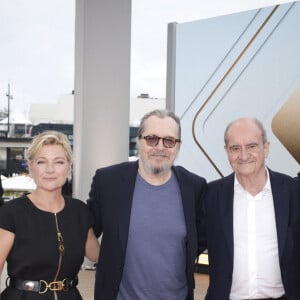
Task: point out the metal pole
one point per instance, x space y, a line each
9 97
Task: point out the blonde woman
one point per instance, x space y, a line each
44 236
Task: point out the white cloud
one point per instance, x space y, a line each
37 50
37 44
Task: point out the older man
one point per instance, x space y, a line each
253 218
147 213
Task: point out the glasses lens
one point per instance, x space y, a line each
169 142
151 140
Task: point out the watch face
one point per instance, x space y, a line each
286 125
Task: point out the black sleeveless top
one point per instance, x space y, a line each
34 255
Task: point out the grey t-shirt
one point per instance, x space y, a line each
155 261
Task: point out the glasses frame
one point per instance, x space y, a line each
164 139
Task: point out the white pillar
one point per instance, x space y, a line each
102 88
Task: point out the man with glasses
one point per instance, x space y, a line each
148 214
253 218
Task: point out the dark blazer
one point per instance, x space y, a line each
219 221
110 200
1 192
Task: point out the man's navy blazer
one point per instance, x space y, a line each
110 201
219 221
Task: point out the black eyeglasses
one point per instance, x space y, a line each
153 140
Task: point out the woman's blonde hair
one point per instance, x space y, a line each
49 138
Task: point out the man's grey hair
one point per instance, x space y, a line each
255 121
160 113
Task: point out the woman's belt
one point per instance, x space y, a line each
42 286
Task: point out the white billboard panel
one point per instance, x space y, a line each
242 64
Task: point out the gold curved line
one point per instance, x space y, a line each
221 81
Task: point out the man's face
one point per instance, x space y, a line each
158 159
245 148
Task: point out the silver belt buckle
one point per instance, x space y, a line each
29 286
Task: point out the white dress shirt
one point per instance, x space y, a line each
256 270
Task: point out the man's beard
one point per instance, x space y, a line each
156 170
153 169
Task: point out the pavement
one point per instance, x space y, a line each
87 280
